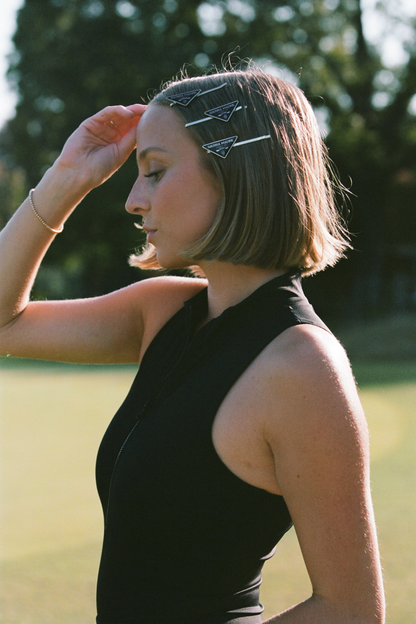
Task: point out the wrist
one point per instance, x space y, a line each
58 193
68 185
37 215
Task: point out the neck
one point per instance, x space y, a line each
228 284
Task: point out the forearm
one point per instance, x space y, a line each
317 610
25 240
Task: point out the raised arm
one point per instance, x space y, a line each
91 155
319 440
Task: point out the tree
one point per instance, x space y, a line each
76 56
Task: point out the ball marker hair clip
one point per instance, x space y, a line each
223 147
223 113
186 98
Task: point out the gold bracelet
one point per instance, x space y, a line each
32 205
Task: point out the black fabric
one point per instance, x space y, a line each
185 539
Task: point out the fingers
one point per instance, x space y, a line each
103 142
119 113
121 117
114 122
127 144
138 109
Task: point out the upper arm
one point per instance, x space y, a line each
319 442
106 329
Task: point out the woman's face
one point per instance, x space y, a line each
174 193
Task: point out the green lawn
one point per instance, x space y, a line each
51 525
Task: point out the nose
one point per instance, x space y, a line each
137 202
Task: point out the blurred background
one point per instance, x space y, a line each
354 59
356 62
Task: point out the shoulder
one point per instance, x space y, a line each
307 353
169 288
160 298
312 388
304 352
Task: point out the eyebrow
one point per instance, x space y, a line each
142 155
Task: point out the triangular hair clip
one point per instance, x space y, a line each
223 113
184 98
223 147
188 96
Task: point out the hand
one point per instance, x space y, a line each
101 144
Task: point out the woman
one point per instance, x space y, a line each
244 416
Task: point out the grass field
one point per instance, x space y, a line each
52 419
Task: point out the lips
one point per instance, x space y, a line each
150 233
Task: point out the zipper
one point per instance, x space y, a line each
165 380
146 406
114 468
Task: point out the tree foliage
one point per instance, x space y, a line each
74 57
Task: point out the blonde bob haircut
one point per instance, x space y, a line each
277 207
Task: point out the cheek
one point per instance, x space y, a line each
209 190
191 195
198 194
204 205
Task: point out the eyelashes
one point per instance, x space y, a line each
154 174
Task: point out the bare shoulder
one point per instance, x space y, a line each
163 296
168 285
160 298
308 354
313 384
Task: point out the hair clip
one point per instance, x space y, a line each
223 113
186 98
223 147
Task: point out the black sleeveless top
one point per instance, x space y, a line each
185 539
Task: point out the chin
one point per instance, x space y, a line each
172 262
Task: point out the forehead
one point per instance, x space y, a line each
161 126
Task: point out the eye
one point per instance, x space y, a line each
154 174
